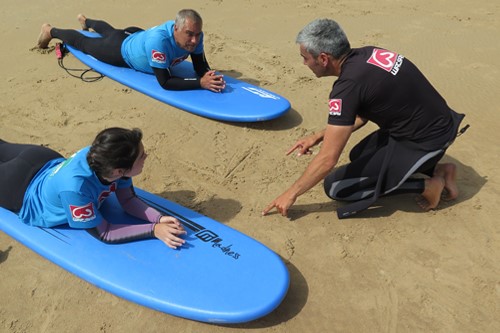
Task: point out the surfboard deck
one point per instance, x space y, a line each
219 276
238 102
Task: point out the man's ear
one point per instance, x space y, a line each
323 59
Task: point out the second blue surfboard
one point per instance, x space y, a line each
239 102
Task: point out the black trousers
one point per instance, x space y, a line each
19 163
106 49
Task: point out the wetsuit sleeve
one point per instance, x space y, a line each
135 206
122 233
200 64
169 82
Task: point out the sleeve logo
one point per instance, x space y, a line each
335 107
82 213
159 57
387 60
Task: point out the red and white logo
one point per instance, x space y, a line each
387 60
177 61
335 107
159 57
82 213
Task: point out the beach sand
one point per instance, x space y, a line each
392 268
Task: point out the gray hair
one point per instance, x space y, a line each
183 14
324 35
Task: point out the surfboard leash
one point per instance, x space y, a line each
61 50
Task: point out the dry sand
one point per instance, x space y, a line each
391 269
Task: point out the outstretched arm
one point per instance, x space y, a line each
169 82
166 228
209 80
334 141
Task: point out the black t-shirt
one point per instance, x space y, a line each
388 89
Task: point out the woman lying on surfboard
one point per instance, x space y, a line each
152 51
48 190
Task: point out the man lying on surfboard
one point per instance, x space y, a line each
48 190
152 51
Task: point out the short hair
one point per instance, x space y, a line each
114 148
183 14
324 35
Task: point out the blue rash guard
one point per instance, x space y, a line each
155 47
67 191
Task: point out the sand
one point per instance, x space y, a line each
390 269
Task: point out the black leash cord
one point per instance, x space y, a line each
61 52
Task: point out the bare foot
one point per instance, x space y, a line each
449 172
81 18
44 38
429 199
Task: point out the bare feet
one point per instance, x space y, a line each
449 172
81 18
44 38
429 199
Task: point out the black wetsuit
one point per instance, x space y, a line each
416 124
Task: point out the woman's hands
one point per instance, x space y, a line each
169 230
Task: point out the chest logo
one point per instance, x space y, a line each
106 193
387 60
177 61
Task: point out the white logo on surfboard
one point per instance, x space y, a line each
261 93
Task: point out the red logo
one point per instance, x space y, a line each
177 61
383 59
159 57
82 213
106 193
335 107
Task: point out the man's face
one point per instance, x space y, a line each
188 36
312 62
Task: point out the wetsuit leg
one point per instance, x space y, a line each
101 27
19 163
106 49
357 180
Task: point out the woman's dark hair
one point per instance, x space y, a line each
114 148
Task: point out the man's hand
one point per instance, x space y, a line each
281 203
213 82
303 145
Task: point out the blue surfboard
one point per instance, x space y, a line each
219 276
239 102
